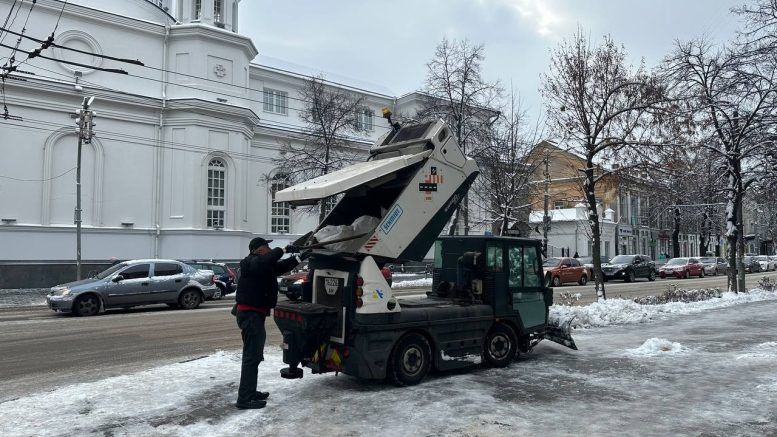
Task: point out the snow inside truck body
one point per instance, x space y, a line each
393 207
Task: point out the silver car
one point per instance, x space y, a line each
132 283
714 265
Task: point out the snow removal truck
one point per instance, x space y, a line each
488 300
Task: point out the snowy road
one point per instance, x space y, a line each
708 371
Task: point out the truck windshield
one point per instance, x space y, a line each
551 262
677 261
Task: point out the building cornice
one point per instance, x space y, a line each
197 30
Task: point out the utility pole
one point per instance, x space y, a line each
546 215
84 120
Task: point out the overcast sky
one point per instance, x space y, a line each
389 42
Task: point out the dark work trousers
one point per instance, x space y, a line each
251 325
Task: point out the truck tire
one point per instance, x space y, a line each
583 280
652 276
556 282
630 277
410 360
501 346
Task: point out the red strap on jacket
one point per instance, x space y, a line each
244 307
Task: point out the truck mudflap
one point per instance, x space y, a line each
560 333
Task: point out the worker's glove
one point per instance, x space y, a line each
291 249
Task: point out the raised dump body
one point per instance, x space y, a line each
411 185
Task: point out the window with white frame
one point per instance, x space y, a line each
559 204
364 119
280 217
217 172
197 9
276 101
218 12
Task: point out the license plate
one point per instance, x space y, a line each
284 288
331 285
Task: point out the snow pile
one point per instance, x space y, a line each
656 346
425 282
623 311
470 358
762 352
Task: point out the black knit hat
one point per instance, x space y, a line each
257 242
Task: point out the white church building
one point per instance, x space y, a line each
182 148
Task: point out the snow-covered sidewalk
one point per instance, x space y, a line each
672 369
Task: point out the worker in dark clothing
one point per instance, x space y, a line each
257 294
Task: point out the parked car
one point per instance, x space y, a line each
133 283
629 268
682 268
751 264
292 286
559 271
226 278
767 265
588 261
714 265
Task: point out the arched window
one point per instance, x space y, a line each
216 193
280 217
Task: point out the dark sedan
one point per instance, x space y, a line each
629 268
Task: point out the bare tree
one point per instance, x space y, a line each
324 145
456 91
601 108
733 94
504 187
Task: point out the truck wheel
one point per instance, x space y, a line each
501 346
687 274
652 276
218 294
583 280
701 275
556 282
630 277
410 361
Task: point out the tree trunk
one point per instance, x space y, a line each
676 234
740 242
703 240
593 218
732 231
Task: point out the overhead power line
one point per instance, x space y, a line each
49 42
36 53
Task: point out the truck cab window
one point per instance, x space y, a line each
516 273
494 257
531 268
